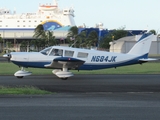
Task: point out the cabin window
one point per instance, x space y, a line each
69 53
82 55
46 51
56 52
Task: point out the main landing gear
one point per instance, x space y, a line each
64 74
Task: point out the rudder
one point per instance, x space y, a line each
143 45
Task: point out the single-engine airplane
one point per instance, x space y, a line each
62 59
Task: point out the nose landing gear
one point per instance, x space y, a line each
21 73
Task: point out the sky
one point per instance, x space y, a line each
114 14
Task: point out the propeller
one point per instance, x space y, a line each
7 56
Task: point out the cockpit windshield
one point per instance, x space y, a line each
46 51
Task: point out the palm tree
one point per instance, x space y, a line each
104 42
92 39
50 38
43 38
24 45
153 31
39 32
82 39
73 32
73 35
1 43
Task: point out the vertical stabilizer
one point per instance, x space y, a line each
143 45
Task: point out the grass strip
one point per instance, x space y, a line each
146 68
26 90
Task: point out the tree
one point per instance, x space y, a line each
1 40
104 42
24 45
119 33
82 39
72 35
1 43
43 38
73 32
92 39
153 31
39 32
114 35
50 38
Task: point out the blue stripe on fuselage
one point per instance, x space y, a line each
31 64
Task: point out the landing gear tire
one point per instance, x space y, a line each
19 76
64 78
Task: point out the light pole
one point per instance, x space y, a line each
113 42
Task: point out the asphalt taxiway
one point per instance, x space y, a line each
87 97
89 83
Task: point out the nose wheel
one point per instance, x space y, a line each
64 78
20 77
21 73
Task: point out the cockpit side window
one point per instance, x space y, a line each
46 51
68 53
56 52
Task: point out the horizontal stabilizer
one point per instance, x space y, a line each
148 59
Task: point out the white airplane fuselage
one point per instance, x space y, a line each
93 61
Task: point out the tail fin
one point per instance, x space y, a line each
143 45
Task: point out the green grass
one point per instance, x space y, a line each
146 68
10 69
26 90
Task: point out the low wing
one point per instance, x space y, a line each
65 62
